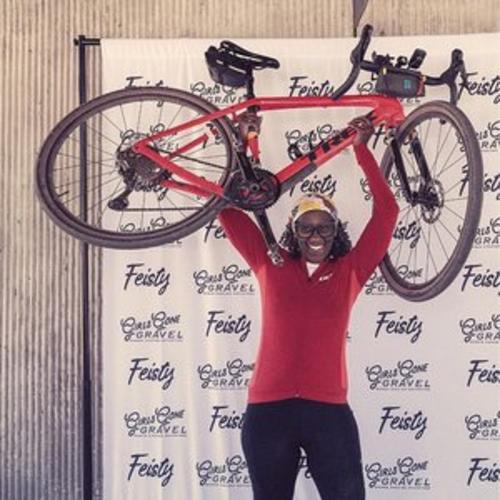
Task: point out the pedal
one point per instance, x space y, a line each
275 256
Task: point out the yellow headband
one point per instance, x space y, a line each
313 202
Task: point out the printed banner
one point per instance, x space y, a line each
182 321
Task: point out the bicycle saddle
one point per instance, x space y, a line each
232 65
256 61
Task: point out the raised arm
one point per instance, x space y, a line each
376 237
245 236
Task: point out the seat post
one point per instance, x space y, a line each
249 85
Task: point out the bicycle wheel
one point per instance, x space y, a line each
118 199
431 241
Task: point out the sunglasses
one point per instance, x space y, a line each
307 230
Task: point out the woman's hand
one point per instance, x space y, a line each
364 130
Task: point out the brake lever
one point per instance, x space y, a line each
449 76
465 79
358 53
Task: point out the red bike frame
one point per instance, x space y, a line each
384 110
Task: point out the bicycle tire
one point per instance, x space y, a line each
444 113
80 227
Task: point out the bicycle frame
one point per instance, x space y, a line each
385 110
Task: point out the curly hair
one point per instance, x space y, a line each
341 244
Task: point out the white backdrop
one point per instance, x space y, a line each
181 322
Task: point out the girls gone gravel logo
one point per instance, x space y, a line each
235 374
480 330
483 428
230 280
231 472
404 473
406 375
161 422
159 326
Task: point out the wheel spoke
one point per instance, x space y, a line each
415 260
89 190
427 133
439 152
143 206
112 123
400 244
73 157
125 127
448 200
174 117
427 259
444 169
176 207
101 151
438 142
105 205
89 177
189 198
454 213
460 181
137 129
426 242
79 165
446 162
104 136
443 247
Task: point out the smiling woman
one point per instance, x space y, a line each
315 224
315 231
298 392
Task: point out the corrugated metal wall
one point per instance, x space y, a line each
40 275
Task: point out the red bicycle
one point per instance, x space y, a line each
146 166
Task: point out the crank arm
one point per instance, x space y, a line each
272 245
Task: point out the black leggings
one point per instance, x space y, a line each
273 434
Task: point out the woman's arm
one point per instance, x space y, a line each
376 237
245 236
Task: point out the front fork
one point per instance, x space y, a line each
424 188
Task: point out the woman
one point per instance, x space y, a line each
298 393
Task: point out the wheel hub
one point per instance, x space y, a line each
432 201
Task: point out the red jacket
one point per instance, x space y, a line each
305 319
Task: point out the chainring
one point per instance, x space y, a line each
251 195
